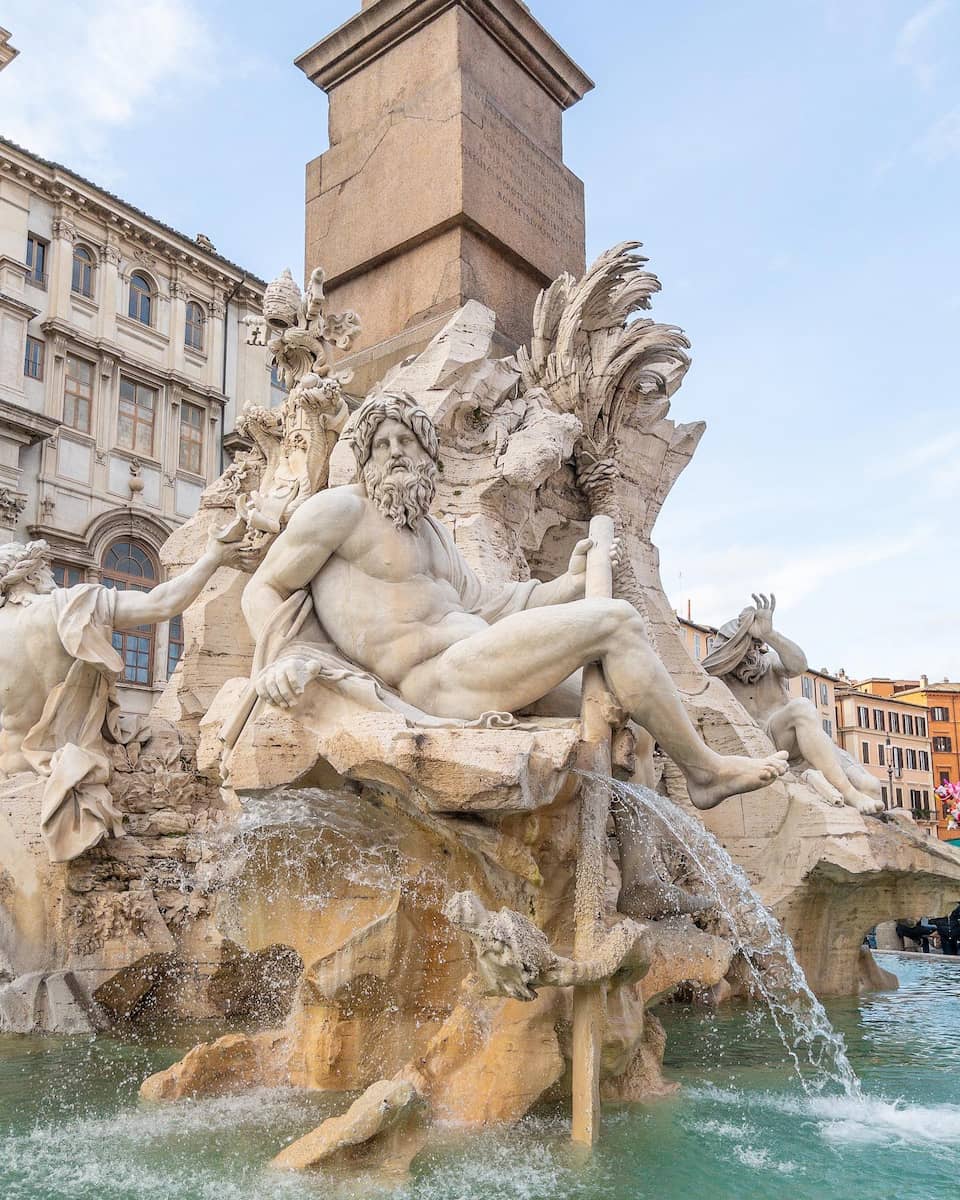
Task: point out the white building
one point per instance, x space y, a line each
123 361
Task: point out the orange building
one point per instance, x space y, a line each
889 736
942 702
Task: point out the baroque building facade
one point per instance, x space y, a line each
123 364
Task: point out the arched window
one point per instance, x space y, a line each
193 328
141 299
82 271
129 566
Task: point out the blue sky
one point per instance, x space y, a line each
793 169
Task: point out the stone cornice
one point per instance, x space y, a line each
385 23
30 425
18 305
63 187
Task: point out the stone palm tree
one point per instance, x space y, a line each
596 358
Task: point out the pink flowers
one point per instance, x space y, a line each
951 793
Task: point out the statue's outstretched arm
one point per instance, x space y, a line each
173 597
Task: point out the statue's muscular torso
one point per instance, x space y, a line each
384 595
765 697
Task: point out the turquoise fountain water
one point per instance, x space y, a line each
776 1102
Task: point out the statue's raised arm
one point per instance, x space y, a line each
755 661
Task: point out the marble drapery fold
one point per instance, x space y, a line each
67 745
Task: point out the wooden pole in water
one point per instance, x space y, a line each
589 1003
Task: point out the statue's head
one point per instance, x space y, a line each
24 571
397 450
753 661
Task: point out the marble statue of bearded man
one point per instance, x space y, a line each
366 588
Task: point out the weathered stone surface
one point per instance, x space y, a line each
46 1002
434 91
444 770
234 1063
382 1130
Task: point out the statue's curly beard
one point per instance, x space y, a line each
402 491
752 667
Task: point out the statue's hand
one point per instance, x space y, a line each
228 548
762 626
282 683
578 559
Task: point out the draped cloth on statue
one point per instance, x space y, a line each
737 638
67 744
344 684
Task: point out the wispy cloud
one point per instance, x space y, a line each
916 43
942 140
725 578
89 70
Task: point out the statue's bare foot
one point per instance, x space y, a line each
658 899
733 774
825 790
863 803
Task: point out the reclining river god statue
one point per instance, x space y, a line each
366 591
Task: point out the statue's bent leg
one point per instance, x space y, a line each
799 721
519 659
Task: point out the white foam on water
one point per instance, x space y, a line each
125 1153
852 1120
762 1160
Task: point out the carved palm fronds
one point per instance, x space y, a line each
595 358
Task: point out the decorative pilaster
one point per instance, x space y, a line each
109 288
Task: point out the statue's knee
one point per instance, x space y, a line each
620 615
801 712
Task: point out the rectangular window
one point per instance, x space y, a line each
943 744
174 644
824 694
897 758
863 717
881 756
865 751
921 726
894 722
944 776
78 393
191 441
33 359
908 724
827 727
37 260
883 793
911 759
806 686
899 794
66 575
878 719
914 797
135 420
939 714
924 760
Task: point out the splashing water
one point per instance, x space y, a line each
816 1050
